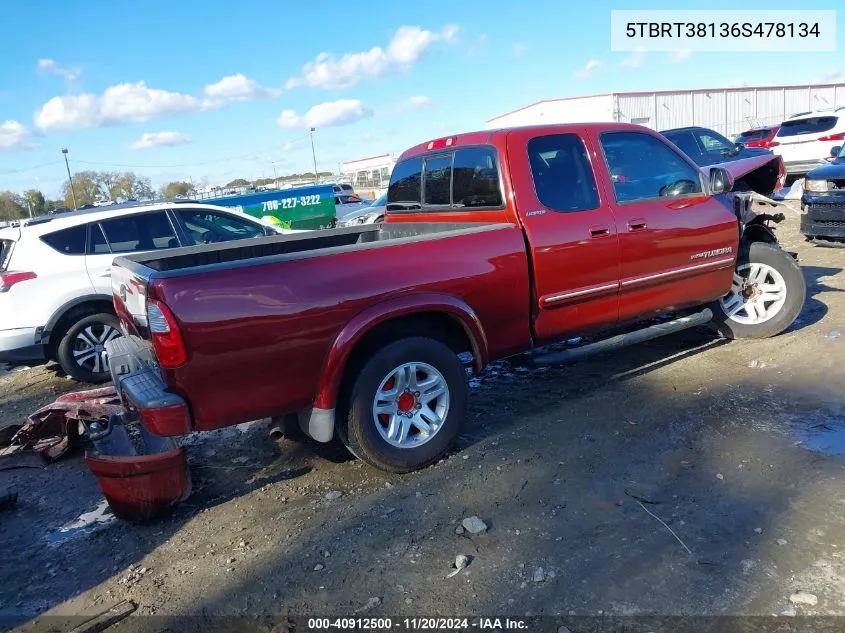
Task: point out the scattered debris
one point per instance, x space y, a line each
758 530
474 525
803 597
53 430
461 562
663 523
563 629
334 494
758 364
782 541
539 575
319 567
87 523
833 334
371 604
460 529
720 477
105 619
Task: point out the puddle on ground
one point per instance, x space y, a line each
826 438
87 523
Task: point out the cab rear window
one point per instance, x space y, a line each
462 179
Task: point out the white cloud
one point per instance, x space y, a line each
590 67
737 83
519 49
287 147
46 65
13 135
118 104
681 55
331 113
635 60
239 88
160 139
69 112
406 47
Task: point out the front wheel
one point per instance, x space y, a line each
766 296
406 406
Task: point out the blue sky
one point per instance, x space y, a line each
217 90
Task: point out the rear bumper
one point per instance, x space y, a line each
21 344
801 167
142 390
824 216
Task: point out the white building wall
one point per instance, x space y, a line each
726 110
577 110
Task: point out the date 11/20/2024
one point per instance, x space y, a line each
290 203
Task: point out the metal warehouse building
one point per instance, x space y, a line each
726 110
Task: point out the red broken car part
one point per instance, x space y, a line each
140 487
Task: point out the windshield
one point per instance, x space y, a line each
380 201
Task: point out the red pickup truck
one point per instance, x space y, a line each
494 244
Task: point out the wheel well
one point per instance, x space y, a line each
758 233
437 325
72 314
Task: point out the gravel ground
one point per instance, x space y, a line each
686 476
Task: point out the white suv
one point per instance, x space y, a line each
804 140
55 290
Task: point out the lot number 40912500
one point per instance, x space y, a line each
291 203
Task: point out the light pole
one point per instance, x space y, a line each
314 155
69 179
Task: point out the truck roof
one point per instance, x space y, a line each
489 137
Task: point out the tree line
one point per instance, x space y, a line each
90 186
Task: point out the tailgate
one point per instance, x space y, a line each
129 290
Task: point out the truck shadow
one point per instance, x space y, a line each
814 309
564 498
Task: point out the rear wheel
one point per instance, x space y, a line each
81 351
766 296
406 405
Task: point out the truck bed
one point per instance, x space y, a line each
259 317
299 246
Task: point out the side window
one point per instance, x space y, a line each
143 232
475 179
715 143
207 227
563 177
67 241
405 190
97 244
685 142
438 180
643 167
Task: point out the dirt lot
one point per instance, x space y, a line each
736 446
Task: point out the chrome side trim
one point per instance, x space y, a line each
579 293
677 271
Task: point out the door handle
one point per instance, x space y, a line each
599 231
637 224
105 273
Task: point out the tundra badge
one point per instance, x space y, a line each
719 251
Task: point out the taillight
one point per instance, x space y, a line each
167 339
833 137
7 280
773 144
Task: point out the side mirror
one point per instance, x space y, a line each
720 180
835 151
740 146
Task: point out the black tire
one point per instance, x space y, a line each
69 343
359 432
796 290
